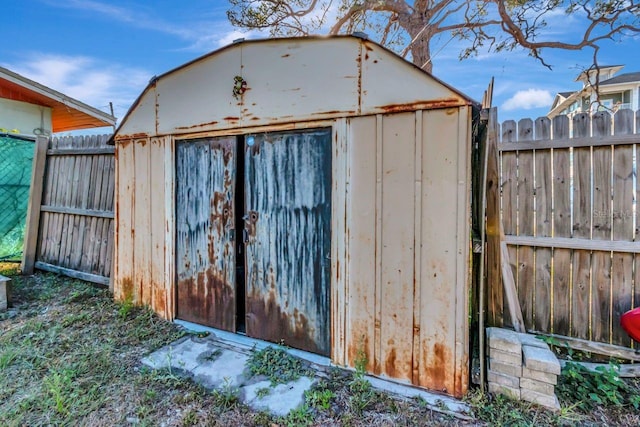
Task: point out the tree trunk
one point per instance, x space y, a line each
421 52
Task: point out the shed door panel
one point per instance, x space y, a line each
205 240
288 225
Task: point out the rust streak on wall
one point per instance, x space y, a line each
276 325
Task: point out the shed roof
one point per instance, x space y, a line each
67 113
287 80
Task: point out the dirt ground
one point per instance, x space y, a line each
70 355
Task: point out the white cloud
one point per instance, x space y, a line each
528 99
87 79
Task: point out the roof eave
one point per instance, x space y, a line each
54 95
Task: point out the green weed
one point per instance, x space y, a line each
276 364
590 389
298 417
319 399
263 392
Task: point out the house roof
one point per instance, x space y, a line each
565 94
284 80
622 78
67 113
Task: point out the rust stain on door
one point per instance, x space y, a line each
288 227
205 231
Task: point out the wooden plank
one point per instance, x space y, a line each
362 269
601 230
561 285
576 142
635 301
48 197
83 151
623 195
526 225
581 286
33 208
78 211
509 205
624 371
544 224
511 293
93 278
54 164
604 349
574 243
397 246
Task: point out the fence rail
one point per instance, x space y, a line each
73 216
572 225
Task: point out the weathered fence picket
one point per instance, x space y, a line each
74 224
568 199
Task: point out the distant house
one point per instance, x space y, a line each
29 108
617 91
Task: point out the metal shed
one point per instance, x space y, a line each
311 191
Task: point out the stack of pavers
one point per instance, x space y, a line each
522 367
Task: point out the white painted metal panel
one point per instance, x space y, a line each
361 239
397 238
158 293
200 95
124 216
141 221
299 80
391 84
443 281
141 120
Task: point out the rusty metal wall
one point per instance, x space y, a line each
288 225
406 274
205 231
399 243
143 224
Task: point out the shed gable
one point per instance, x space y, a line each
287 80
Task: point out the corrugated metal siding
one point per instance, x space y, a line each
205 231
288 196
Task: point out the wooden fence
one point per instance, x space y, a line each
568 202
70 227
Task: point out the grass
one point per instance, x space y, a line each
70 355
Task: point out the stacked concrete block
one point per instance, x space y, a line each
505 362
522 367
5 293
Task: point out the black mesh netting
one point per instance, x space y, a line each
16 156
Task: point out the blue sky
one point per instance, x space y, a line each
101 51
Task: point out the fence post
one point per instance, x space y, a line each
33 208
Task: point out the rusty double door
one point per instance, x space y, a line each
253 235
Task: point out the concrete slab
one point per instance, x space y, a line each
432 399
219 361
182 354
223 368
280 399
